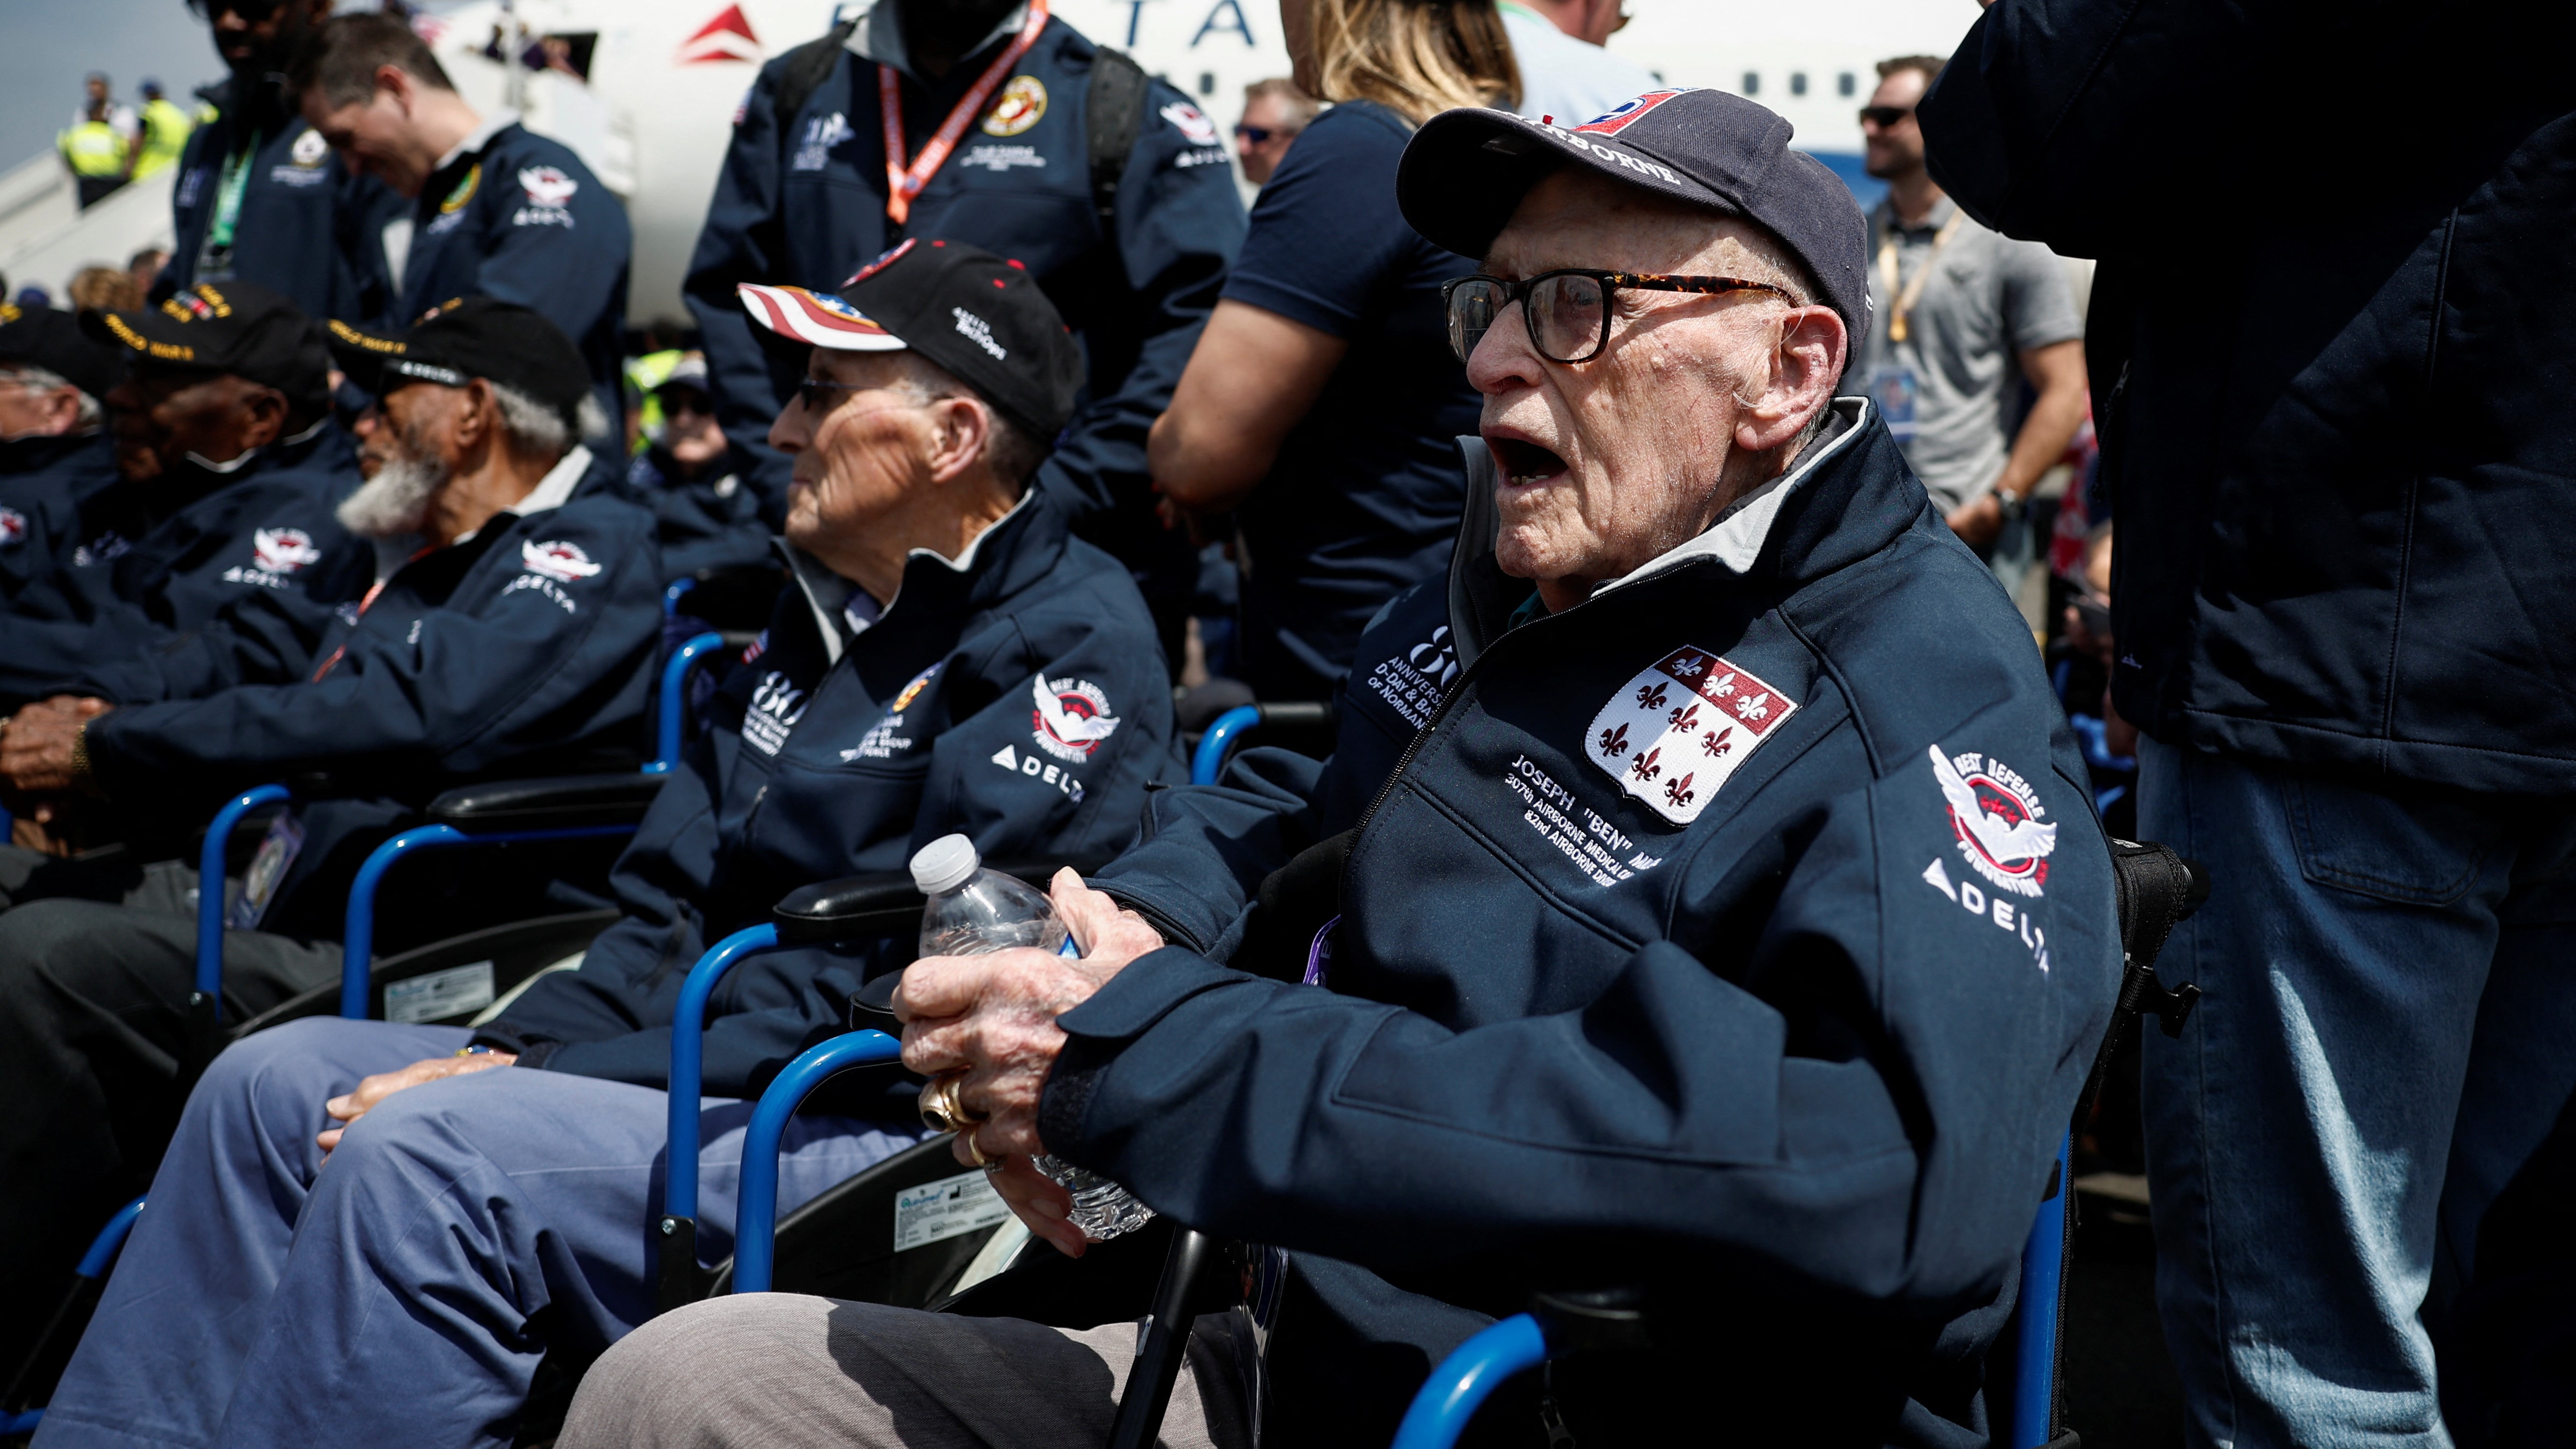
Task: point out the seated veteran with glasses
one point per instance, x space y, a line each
1736 927
372 1233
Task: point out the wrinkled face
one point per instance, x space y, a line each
859 455
1609 462
1893 150
375 138
160 415
408 448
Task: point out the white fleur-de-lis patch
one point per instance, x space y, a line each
1675 733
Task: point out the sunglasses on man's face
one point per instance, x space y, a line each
1884 116
1568 310
1257 135
252 12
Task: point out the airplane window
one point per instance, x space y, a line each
1207 82
1797 82
1846 84
1753 82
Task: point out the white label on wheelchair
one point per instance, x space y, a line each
440 994
946 1208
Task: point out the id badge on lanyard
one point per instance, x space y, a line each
904 183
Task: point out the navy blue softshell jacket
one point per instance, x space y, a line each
803 202
521 651
309 229
818 767
43 483
1808 1055
143 571
517 216
2342 467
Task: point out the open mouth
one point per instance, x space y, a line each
1524 464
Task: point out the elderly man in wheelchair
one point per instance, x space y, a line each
373 1233
1736 924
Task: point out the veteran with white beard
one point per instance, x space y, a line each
510 630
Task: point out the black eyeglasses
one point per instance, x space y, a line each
1568 309
1884 116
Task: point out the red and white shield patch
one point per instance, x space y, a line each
1675 733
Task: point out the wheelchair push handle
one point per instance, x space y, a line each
210 889
755 1230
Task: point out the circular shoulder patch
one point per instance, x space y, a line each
309 149
1022 105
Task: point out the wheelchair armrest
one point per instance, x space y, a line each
885 903
879 903
546 804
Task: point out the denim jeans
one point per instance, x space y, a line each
2386 1031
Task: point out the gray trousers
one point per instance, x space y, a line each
402 1291
780 1371
93 1034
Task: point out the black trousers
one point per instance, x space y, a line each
93 1038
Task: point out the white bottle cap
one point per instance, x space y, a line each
944 864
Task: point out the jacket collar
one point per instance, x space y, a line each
1015 551
1848 496
475 144
31 454
879 38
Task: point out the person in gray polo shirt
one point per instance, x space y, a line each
1959 313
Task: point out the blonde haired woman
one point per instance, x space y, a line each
1320 403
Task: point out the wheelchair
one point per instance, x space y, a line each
449 982
2157 889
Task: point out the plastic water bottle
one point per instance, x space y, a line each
972 911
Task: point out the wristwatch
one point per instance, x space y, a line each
2011 505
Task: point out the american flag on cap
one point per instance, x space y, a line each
817 318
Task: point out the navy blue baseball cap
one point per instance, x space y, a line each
1466 171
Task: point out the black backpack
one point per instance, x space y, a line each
1116 117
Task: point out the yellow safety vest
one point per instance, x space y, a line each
165 136
94 148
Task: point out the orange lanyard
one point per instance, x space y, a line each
903 183
363 605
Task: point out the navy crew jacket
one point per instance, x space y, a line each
802 201
1744 932
980 702
2342 464
525 649
309 229
517 216
43 483
144 568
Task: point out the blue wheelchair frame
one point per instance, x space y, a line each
1472 1371
357 966
359 930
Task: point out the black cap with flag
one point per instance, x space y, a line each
982 319
1466 171
53 340
236 327
458 341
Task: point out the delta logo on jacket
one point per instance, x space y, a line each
274 554
549 564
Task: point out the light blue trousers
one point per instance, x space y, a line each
403 1292
2387 1029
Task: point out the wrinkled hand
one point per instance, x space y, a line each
375 1089
36 745
993 1017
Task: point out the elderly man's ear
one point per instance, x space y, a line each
1806 367
959 430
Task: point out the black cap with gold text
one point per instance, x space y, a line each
231 327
